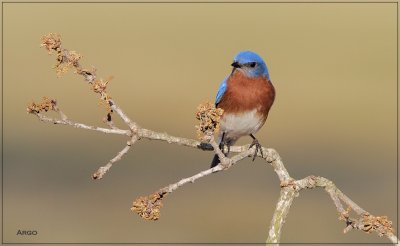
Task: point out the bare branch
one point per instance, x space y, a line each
367 223
162 136
102 170
224 165
281 211
132 125
273 158
82 126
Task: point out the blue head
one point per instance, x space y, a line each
251 64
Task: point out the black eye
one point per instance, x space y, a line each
252 64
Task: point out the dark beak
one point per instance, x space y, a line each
235 65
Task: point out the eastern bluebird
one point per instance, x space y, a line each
246 96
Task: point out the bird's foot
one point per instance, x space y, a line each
258 148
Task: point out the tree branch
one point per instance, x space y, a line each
102 170
82 126
149 207
286 198
367 222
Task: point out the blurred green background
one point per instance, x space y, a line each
333 66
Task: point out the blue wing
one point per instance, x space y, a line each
221 91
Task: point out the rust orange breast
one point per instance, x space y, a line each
244 94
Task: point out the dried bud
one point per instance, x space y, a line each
88 74
51 42
209 118
45 105
70 59
149 207
100 86
66 60
381 224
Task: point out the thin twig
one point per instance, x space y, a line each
132 125
229 163
102 170
82 126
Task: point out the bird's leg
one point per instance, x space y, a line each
258 147
229 149
223 143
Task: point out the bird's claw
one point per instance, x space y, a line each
222 147
258 148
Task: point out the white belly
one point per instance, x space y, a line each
237 125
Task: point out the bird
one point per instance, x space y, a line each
246 96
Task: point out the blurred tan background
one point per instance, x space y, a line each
334 69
